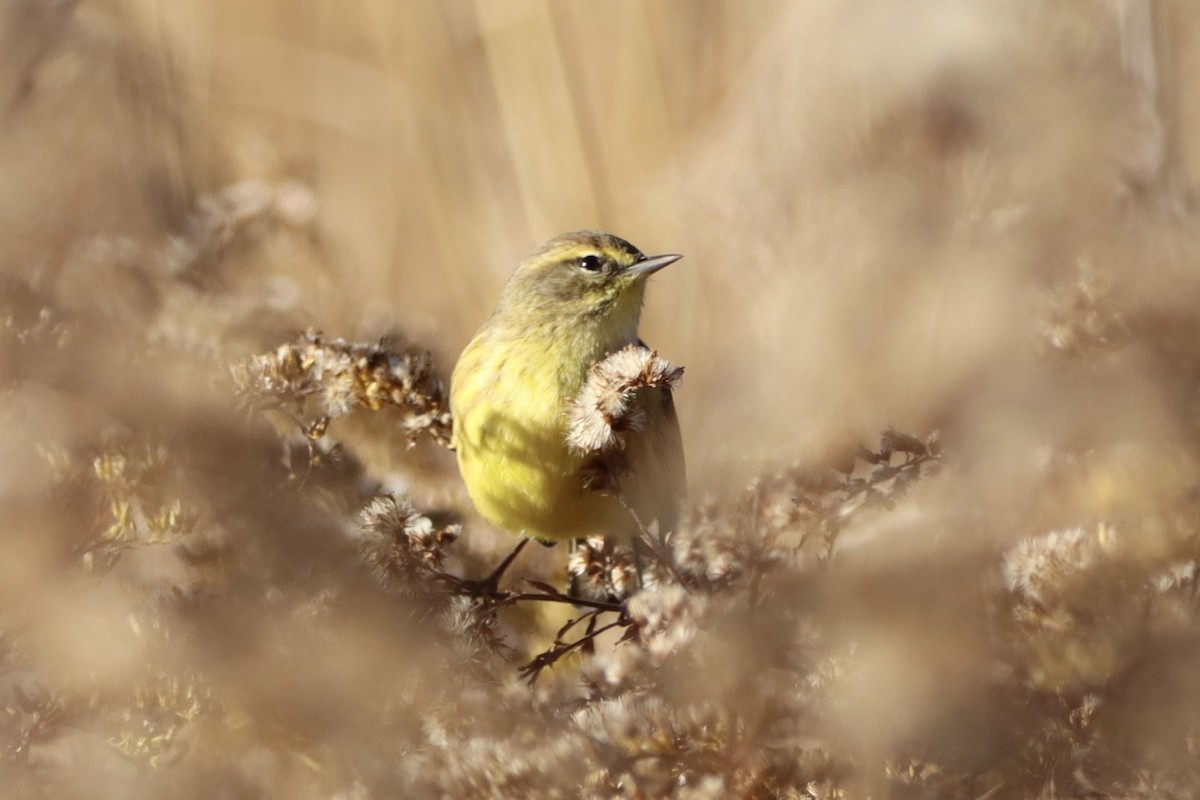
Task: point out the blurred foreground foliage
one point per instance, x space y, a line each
236 561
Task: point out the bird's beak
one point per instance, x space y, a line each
652 264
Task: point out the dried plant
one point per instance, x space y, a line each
315 382
970 218
404 547
605 406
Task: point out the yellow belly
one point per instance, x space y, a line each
510 437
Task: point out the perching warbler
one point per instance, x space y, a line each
575 300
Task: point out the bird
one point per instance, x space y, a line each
575 300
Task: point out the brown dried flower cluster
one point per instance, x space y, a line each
598 569
136 505
315 382
404 546
1082 317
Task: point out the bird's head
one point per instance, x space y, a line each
585 278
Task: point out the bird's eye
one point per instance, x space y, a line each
591 263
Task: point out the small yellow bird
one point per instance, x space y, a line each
575 300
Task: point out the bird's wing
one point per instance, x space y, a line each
656 482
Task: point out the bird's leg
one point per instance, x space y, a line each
490 586
493 580
639 545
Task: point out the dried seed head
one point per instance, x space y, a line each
312 378
404 546
606 406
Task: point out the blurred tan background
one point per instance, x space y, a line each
978 218
869 198
865 195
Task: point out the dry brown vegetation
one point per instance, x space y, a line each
234 555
